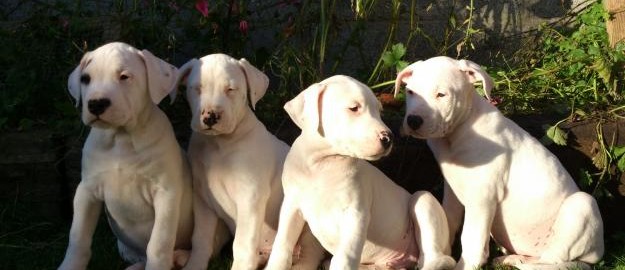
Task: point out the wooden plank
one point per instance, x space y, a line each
616 25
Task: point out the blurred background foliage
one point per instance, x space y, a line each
564 67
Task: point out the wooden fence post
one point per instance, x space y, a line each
616 24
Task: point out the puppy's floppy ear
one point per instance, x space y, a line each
305 108
403 76
73 82
257 81
161 77
184 71
475 73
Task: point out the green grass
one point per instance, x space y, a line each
29 242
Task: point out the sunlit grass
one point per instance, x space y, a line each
27 242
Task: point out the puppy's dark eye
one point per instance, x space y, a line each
85 79
230 90
440 95
123 77
354 108
410 92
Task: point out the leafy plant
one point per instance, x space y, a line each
569 70
554 134
393 58
609 160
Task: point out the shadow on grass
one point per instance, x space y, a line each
27 242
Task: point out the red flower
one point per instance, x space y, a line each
243 27
202 7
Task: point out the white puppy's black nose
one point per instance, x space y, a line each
98 106
414 121
211 119
386 138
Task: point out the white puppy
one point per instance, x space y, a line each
131 161
506 183
236 164
357 213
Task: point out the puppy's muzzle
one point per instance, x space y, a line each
98 106
386 139
210 118
414 121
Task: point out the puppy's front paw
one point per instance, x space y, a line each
513 260
465 265
443 262
74 263
244 265
181 257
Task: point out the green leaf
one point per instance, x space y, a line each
580 112
401 65
555 135
585 179
621 164
399 50
603 69
618 151
452 20
600 160
387 59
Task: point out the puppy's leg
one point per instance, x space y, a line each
428 217
160 250
206 234
479 214
453 210
290 227
250 217
353 232
86 212
131 255
181 257
578 232
311 253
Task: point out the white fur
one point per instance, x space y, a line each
357 213
131 161
504 181
236 164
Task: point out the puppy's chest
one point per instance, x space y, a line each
231 177
126 178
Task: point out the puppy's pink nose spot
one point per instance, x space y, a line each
386 138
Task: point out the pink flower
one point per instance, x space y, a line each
202 7
243 27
